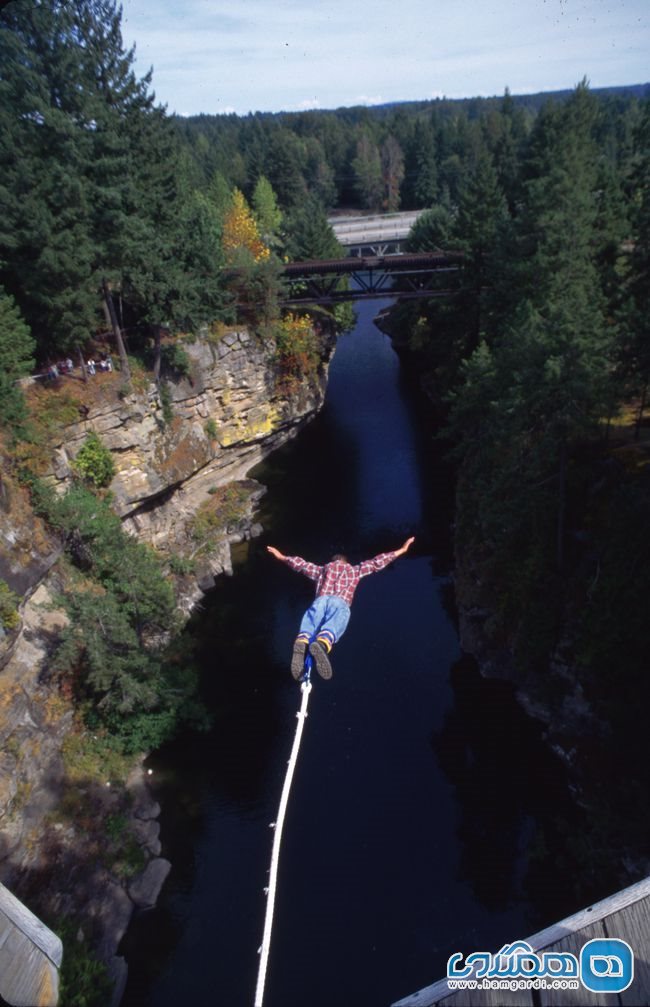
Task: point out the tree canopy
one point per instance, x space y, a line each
94 185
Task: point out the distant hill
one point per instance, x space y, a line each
472 106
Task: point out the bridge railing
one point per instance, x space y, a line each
385 227
30 956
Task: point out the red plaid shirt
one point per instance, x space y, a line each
338 578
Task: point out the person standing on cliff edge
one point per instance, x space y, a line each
326 620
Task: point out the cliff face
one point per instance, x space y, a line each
556 699
220 421
171 456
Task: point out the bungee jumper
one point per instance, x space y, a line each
322 625
326 620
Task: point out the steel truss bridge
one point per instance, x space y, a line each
403 276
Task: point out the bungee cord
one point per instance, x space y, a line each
265 946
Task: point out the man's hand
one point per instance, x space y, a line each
274 552
407 545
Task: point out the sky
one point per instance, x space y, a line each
223 56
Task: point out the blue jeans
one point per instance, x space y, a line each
327 618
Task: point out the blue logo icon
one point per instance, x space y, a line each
606 965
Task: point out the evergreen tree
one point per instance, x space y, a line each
553 365
425 188
433 231
16 361
95 191
635 349
508 149
268 215
309 234
367 172
45 139
284 167
319 174
481 215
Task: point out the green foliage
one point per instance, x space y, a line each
94 462
16 361
176 360
222 512
92 756
260 286
367 172
432 231
526 354
113 652
95 183
181 565
9 618
634 310
166 403
268 215
310 236
298 351
423 167
337 156
84 978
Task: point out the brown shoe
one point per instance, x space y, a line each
298 659
321 660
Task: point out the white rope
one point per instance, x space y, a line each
275 855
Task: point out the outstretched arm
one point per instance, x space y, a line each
405 548
297 563
275 552
379 562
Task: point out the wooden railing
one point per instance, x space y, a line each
30 956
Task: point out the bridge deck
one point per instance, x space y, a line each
368 230
319 281
625 915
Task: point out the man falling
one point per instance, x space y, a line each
326 620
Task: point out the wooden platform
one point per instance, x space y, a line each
30 956
625 915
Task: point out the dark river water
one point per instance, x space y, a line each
420 819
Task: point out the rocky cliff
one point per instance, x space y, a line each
218 421
174 447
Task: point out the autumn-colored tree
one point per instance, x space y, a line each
240 232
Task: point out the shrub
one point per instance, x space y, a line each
9 618
225 508
175 359
94 463
166 404
297 351
181 565
84 978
